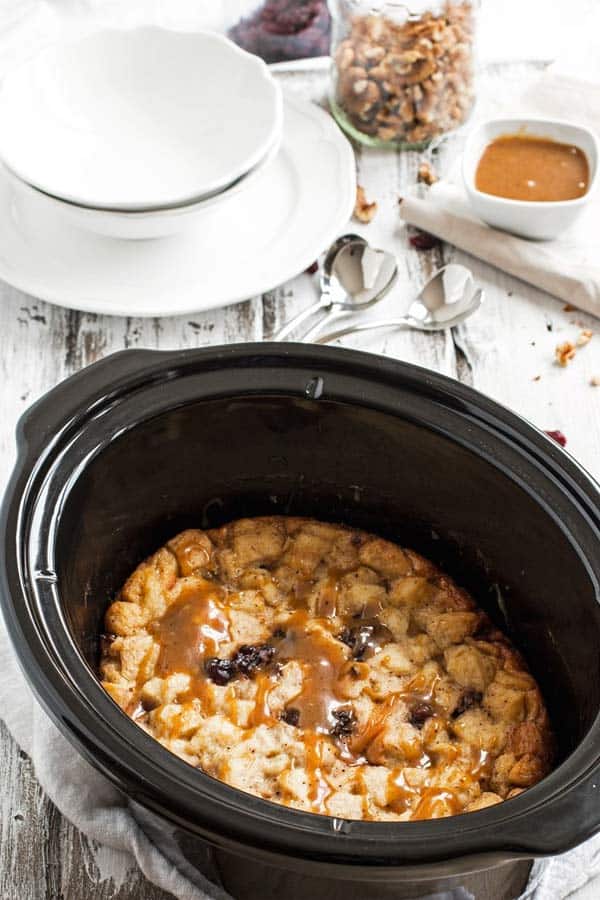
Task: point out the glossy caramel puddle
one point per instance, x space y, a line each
523 167
192 629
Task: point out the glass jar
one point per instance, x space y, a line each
401 75
280 30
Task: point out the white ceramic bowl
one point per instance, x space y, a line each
530 219
125 225
138 119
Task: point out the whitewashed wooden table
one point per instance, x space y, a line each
506 351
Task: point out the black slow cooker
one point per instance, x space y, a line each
124 454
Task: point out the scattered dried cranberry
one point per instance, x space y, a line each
291 716
221 671
469 698
422 240
419 714
345 722
251 657
557 436
314 267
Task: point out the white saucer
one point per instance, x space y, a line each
261 238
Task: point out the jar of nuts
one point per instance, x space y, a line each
402 75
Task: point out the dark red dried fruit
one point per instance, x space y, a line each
557 436
221 671
419 714
314 267
291 716
251 657
422 240
285 29
345 722
469 698
364 640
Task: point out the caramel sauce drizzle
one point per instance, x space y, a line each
196 626
324 661
191 630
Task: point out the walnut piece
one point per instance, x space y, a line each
363 210
564 353
426 174
585 337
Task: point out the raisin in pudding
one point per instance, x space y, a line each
321 667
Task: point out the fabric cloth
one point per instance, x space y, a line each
567 267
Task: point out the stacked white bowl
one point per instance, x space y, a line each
136 133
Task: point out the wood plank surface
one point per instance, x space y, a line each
506 351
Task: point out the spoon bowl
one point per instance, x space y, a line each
446 300
354 277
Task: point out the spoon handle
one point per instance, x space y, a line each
368 326
296 320
320 324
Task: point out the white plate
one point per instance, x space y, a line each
138 119
263 237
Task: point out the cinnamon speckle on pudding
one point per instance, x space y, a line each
324 668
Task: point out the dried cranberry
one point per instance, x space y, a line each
557 436
285 29
251 657
419 714
345 722
314 267
422 240
469 698
221 671
363 639
346 637
291 716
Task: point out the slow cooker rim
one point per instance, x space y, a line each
376 831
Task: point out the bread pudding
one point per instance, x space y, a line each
327 669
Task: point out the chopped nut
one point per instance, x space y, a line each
564 353
568 308
363 210
427 174
536 377
595 381
585 337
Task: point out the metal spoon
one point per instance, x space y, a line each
354 277
448 298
